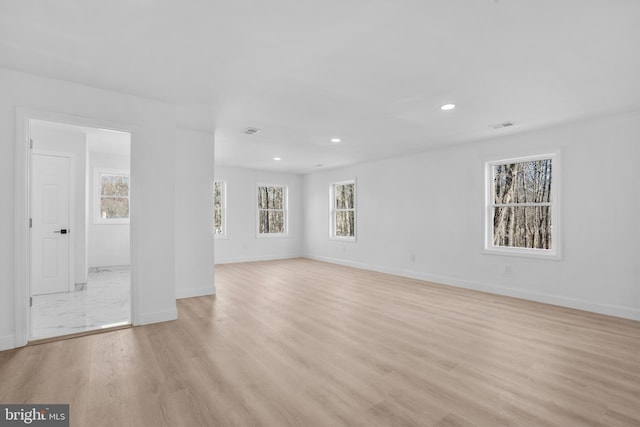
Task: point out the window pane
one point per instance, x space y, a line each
273 199
271 222
114 207
262 197
114 185
276 221
278 198
217 195
270 197
339 194
217 221
263 226
522 227
523 182
344 194
345 223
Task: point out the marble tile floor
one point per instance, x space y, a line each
105 301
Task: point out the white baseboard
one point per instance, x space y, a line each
157 317
254 258
7 342
579 304
195 292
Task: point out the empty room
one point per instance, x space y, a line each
320 213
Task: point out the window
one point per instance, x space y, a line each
272 210
343 210
219 208
112 201
522 198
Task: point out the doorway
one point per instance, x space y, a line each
79 255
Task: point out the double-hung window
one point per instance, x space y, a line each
522 206
343 210
219 208
272 210
112 196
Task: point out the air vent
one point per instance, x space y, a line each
502 125
251 131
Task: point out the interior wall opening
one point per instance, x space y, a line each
80 269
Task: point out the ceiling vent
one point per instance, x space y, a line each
251 131
502 125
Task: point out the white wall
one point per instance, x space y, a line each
74 142
431 205
194 213
109 244
152 190
242 243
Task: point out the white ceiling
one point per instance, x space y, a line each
372 72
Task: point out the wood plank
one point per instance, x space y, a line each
301 342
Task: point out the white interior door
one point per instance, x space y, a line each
50 213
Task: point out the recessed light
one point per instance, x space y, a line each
277 158
336 140
446 107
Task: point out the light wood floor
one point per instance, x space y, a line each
304 343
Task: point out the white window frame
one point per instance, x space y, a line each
97 179
333 210
554 252
223 208
285 211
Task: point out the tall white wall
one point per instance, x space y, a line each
74 142
109 244
194 213
432 205
242 243
152 196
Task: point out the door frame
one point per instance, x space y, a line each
72 210
22 239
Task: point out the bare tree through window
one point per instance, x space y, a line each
272 209
344 209
522 204
114 196
218 207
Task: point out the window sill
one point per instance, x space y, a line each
524 253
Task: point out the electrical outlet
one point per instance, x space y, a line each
412 258
507 270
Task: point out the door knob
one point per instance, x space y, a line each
63 231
